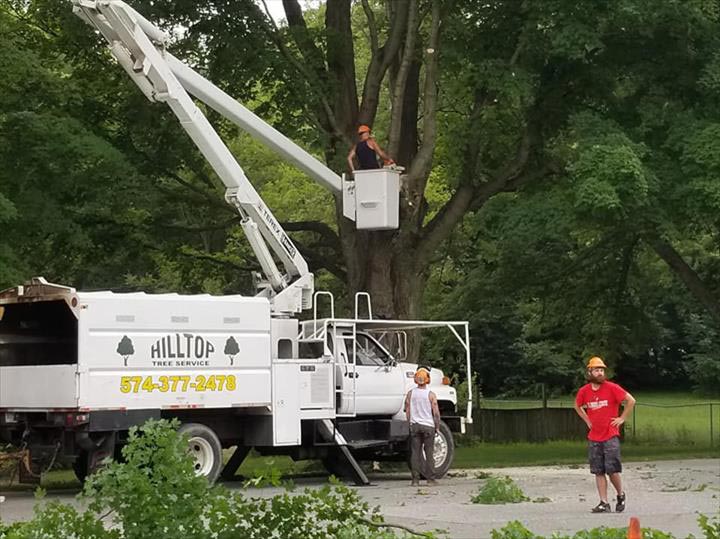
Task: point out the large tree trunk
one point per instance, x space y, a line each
390 265
386 268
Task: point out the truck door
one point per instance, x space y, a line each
379 381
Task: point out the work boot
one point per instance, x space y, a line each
602 507
620 505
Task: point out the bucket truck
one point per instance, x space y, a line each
78 369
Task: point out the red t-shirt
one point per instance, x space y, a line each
602 406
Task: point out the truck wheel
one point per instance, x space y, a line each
80 466
205 449
88 462
334 466
444 450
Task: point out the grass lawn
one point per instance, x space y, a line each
658 418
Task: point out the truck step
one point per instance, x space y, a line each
363 444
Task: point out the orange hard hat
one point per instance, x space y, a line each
363 129
422 376
596 362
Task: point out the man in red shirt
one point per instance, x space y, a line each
597 403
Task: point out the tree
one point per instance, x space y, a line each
604 113
231 349
125 348
517 75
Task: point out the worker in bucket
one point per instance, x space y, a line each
597 403
367 151
423 415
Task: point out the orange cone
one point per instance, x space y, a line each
634 531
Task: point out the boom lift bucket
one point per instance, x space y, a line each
372 200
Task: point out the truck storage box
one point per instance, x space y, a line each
136 351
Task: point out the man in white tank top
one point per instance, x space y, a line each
423 414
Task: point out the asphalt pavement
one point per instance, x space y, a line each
667 495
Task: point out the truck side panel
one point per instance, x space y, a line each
157 352
45 386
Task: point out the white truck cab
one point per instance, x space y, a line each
374 382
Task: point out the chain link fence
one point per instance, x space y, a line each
505 420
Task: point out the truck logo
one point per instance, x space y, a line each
231 349
125 348
185 345
289 247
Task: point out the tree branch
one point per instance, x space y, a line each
420 168
316 260
206 228
401 80
372 27
686 274
327 233
440 227
209 197
452 212
379 64
493 187
198 255
369 522
521 38
341 63
23 18
513 169
627 260
327 117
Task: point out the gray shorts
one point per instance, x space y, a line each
604 457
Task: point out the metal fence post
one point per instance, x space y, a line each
711 426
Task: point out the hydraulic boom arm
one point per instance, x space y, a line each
139 47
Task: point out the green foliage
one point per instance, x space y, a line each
499 490
154 492
55 519
710 526
515 530
269 475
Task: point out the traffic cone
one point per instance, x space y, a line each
634 531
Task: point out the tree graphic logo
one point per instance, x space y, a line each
125 348
231 349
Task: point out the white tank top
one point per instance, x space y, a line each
421 407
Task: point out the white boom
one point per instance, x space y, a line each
139 47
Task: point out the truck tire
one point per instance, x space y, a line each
336 466
444 451
80 467
107 447
205 448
